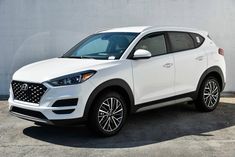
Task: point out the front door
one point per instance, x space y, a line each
154 77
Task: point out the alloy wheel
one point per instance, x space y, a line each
211 94
110 114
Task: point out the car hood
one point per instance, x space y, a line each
41 71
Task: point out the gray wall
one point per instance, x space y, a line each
33 30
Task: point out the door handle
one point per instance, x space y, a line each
167 65
199 58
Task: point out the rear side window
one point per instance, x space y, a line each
154 44
198 39
180 41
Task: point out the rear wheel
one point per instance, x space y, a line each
209 95
108 114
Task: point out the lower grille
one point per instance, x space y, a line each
28 92
30 113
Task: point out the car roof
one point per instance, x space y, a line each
134 29
140 29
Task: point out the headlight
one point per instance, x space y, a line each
72 79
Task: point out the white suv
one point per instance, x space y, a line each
120 71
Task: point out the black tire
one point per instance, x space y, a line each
209 95
98 118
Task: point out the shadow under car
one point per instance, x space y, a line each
143 128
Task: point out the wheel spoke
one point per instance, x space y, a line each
214 99
104 112
109 125
111 105
103 119
117 111
114 121
106 104
215 90
210 102
205 99
106 123
118 104
117 119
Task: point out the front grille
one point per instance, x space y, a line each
28 92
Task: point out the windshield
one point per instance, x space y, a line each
102 46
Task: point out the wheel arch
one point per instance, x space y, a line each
212 71
118 85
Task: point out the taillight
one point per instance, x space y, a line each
221 51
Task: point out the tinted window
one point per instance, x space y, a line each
181 41
154 44
198 39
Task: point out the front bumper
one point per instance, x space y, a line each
31 111
60 122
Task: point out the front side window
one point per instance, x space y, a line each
154 44
102 46
180 41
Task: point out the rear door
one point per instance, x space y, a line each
190 60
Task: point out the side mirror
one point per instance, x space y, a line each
142 54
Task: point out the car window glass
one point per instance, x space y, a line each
198 39
180 41
95 46
154 44
102 46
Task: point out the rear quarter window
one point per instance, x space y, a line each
198 39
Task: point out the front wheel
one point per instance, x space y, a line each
209 95
108 114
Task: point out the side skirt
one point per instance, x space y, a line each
165 102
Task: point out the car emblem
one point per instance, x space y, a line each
24 87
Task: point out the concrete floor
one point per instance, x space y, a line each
171 131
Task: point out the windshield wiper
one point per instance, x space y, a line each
80 57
